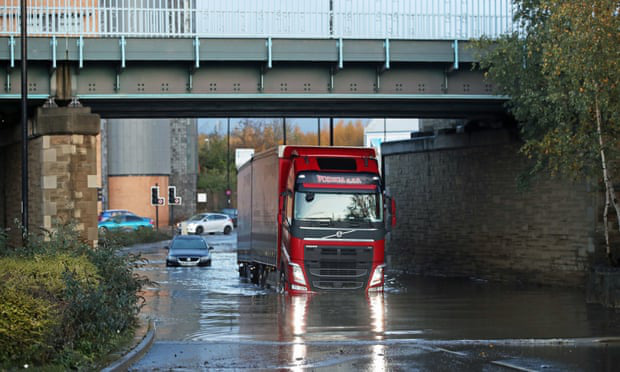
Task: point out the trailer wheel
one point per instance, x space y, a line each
248 272
262 276
254 272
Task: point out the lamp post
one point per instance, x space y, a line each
24 117
228 191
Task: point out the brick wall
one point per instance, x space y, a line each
134 193
460 213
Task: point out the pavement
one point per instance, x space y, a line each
142 342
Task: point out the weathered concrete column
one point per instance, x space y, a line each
64 156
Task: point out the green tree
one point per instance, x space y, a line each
212 160
561 74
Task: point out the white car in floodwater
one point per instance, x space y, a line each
207 223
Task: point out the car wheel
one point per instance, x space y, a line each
227 230
103 230
208 263
199 230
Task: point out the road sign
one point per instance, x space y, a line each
177 201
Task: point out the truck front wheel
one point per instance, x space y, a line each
281 288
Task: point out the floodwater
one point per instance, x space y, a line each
208 318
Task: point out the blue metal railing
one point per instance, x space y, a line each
351 19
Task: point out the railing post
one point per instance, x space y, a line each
269 61
81 49
122 43
340 55
386 45
197 51
12 47
54 43
455 46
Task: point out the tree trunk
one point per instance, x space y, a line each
610 193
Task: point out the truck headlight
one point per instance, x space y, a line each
298 274
377 276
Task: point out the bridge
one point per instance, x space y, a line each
89 59
154 58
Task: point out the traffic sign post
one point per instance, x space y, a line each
156 200
173 200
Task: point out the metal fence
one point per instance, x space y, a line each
352 19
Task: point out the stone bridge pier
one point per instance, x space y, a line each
62 172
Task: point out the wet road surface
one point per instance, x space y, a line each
207 318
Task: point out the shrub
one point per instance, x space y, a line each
63 303
27 326
32 304
127 238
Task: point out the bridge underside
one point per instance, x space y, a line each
252 77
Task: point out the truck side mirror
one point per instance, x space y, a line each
282 210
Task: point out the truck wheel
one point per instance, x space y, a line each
227 230
253 275
281 288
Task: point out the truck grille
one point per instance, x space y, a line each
338 267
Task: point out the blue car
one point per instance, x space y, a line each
125 222
109 213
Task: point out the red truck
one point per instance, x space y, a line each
313 219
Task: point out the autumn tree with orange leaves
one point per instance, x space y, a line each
561 73
261 135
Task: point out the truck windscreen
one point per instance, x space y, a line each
347 207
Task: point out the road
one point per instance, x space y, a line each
207 318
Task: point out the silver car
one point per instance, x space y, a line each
209 223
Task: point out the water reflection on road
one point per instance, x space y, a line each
366 331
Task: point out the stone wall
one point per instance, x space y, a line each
10 206
460 213
62 184
184 165
69 182
11 189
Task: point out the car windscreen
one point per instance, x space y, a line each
351 207
188 244
197 217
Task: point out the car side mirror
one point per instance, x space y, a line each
211 248
166 248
